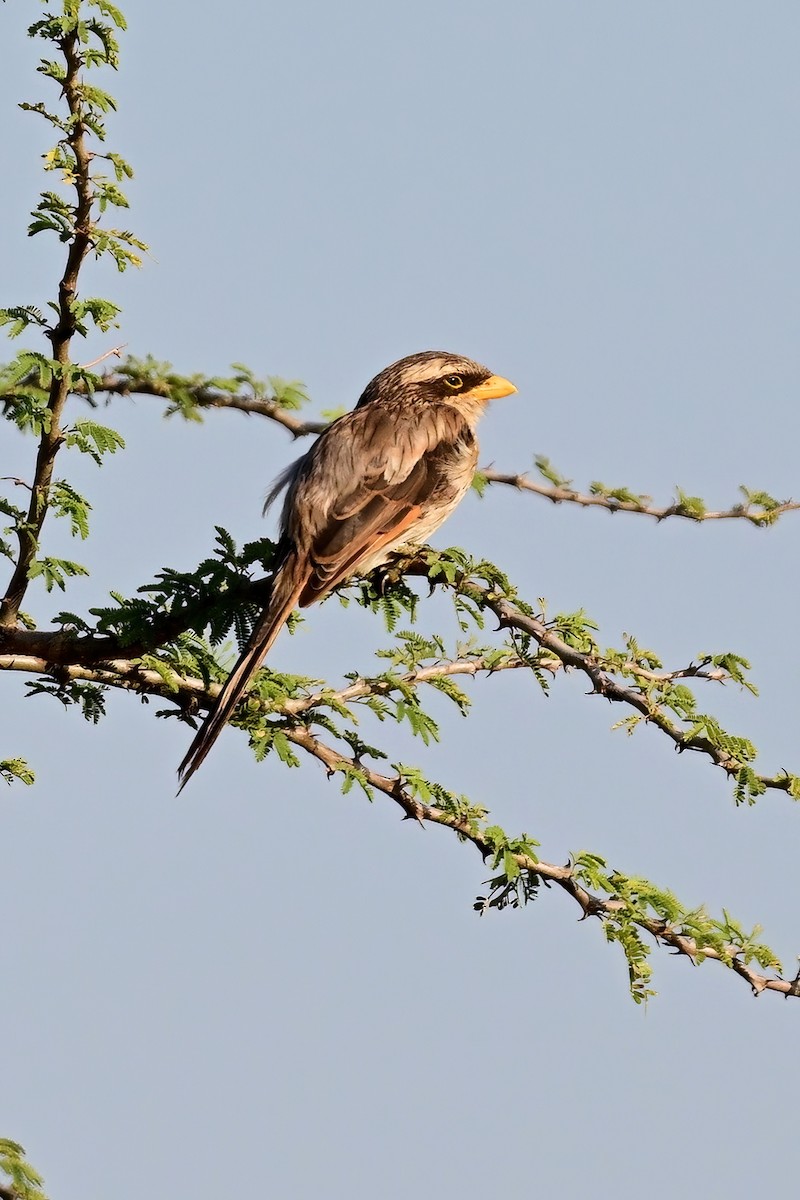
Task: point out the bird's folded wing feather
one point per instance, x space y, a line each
387 474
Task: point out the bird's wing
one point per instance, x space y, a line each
365 483
388 474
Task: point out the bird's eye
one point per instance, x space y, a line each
454 381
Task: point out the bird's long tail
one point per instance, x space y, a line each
286 590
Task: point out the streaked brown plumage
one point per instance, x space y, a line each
385 475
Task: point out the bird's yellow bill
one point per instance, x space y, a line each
493 388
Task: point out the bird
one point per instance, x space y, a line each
383 476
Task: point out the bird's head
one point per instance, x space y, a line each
438 376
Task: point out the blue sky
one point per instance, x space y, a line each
267 986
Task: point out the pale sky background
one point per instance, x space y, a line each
265 988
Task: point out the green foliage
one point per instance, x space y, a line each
55 571
620 495
733 665
20 318
188 395
165 671
576 630
66 502
517 882
690 506
35 388
760 508
635 906
748 786
17 517
290 394
767 508
461 813
30 366
95 440
355 775
89 697
548 472
16 768
121 246
101 313
272 737
20 1177
480 483
23 398
386 593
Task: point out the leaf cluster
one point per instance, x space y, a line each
84 40
759 507
24 1183
188 395
636 905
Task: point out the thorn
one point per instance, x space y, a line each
115 352
415 815
794 986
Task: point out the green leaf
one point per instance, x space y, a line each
290 394
479 483
90 697
25 1183
548 472
66 502
20 318
71 623
11 769
101 312
95 440
111 11
55 571
150 662
690 506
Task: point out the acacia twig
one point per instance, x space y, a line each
562 876
600 676
131 676
559 494
61 649
61 335
204 395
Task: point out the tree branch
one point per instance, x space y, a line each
131 676
511 616
134 379
205 395
563 876
560 494
60 649
128 674
60 336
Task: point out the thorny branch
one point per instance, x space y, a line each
601 678
562 876
566 495
57 650
129 675
206 396
60 336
